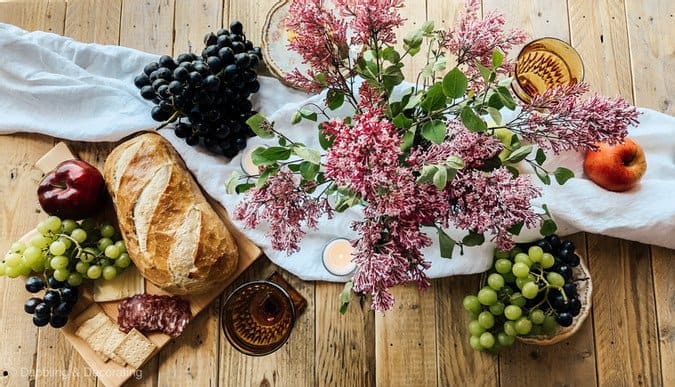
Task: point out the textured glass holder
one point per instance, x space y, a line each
545 63
258 316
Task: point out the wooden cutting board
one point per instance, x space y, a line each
110 373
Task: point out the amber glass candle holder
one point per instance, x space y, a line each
545 63
258 316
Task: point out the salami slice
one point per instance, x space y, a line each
154 313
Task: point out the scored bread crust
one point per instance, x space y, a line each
172 234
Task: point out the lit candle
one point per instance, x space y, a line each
337 257
247 162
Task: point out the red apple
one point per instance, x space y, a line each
616 167
74 190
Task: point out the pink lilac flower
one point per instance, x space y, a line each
473 39
561 119
373 20
285 206
492 202
321 39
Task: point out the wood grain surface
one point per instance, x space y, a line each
628 47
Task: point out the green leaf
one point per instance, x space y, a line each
334 99
309 154
507 98
473 239
241 188
514 171
272 154
321 78
258 158
434 99
440 178
495 115
324 141
434 131
455 83
540 157
546 211
391 77
413 41
543 176
346 296
413 102
390 54
497 58
486 73
516 228
495 101
446 243
548 227
408 139
308 114
402 122
308 170
427 174
454 162
265 175
428 26
231 182
256 123
440 64
295 118
519 154
471 120
562 175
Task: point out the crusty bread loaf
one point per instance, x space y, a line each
172 234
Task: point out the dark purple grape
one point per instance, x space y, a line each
224 41
254 61
62 309
196 79
150 68
226 55
566 272
176 87
181 74
201 68
141 80
212 83
69 295
147 92
258 52
575 306
34 284
210 39
222 32
214 63
163 91
210 51
165 106
564 319
54 284
544 246
248 45
40 321
167 61
184 58
43 310
558 303
554 241
236 27
242 60
31 304
570 289
237 38
254 86
573 260
58 321
165 73
52 298
158 114
567 244
158 82
238 47
192 140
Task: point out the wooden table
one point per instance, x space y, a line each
628 49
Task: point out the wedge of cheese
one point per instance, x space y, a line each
127 283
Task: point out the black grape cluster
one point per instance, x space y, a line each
209 93
55 306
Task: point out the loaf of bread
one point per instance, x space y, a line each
172 234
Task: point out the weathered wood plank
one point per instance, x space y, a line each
345 344
664 290
193 20
147 25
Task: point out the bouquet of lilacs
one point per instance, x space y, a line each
426 158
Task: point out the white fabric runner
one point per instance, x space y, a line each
53 85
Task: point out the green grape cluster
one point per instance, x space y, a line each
528 292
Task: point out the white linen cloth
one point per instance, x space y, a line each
54 85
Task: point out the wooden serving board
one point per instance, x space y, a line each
110 373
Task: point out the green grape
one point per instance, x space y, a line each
109 272
39 266
12 271
495 281
537 316
555 279
475 328
104 262
505 340
42 228
103 243
510 328
487 296
520 282
497 308
13 259
18 247
500 254
535 253
61 274
509 277
57 248
68 225
112 252
515 251
474 341
547 260
486 319
33 255
75 279
530 290
121 246
549 326
513 312
94 272
24 270
523 258
487 340
536 330
523 326
503 266
81 267
59 262
123 261
2 268
53 223
88 224
40 241
472 304
517 299
520 270
88 254
107 231
67 242
79 235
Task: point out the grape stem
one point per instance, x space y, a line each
171 119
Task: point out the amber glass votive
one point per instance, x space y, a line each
545 63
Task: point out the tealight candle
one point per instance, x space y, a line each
247 162
337 257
